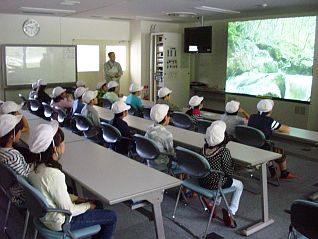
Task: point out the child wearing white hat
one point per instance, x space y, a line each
80 83
47 142
33 93
90 99
219 158
10 132
120 110
264 122
61 99
42 96
101 88
159 113
164 97
78 104
112 92
10 107
195 104
231 117
134 100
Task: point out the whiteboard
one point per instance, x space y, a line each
24 64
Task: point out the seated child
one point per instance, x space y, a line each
78 102
42 96
164 95
10 107
219 158
101 88
90 99
10 132
264 122
120 110
112 93
134 98
47 142
231 117
163 138
80 83
61 100
196 104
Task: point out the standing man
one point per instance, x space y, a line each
112 69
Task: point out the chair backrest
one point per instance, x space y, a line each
250 136
146 148
8 178
191 163
61 114
304 218
182 120
106 103
48 110
23 99
147 112
82 123
111 134
203 125
35 201
131 111
34 105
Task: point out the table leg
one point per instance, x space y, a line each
266 221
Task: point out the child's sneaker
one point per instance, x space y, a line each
289 175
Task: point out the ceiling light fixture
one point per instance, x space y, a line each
45 10
153 18
215 9
181 14
69 2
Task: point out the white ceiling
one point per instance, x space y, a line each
155 9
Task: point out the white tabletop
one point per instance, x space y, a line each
110 175
302 135
28 115
147 103
69 135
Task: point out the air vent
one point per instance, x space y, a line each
36 10
300 110
121 18
38 13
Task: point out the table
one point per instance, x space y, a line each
116 178
28 115
69 135
302 135
243 153
147 103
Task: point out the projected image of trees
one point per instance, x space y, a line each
272 57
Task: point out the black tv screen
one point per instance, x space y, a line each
198 39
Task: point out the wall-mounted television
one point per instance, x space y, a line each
271 57
198 39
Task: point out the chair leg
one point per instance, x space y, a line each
175 207
226 203
35 233
7 216
203 204
210 218
26 221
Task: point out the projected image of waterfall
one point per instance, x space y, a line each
272 57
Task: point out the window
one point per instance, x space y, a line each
120 54
87 58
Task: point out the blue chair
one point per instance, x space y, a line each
196 166
62 116
85 126
182 120
48 110
7 180
106 103
24 101
38 207
203 125
34 105
147 113
303 220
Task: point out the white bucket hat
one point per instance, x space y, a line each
57 91
134 87
232 106
195 101
112 84
79 91
100 84
89 95
8 123
9 107
164 91
119 107
158 112
265 105
80 83
41 136
215 134
41 82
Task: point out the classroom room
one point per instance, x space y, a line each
130 104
